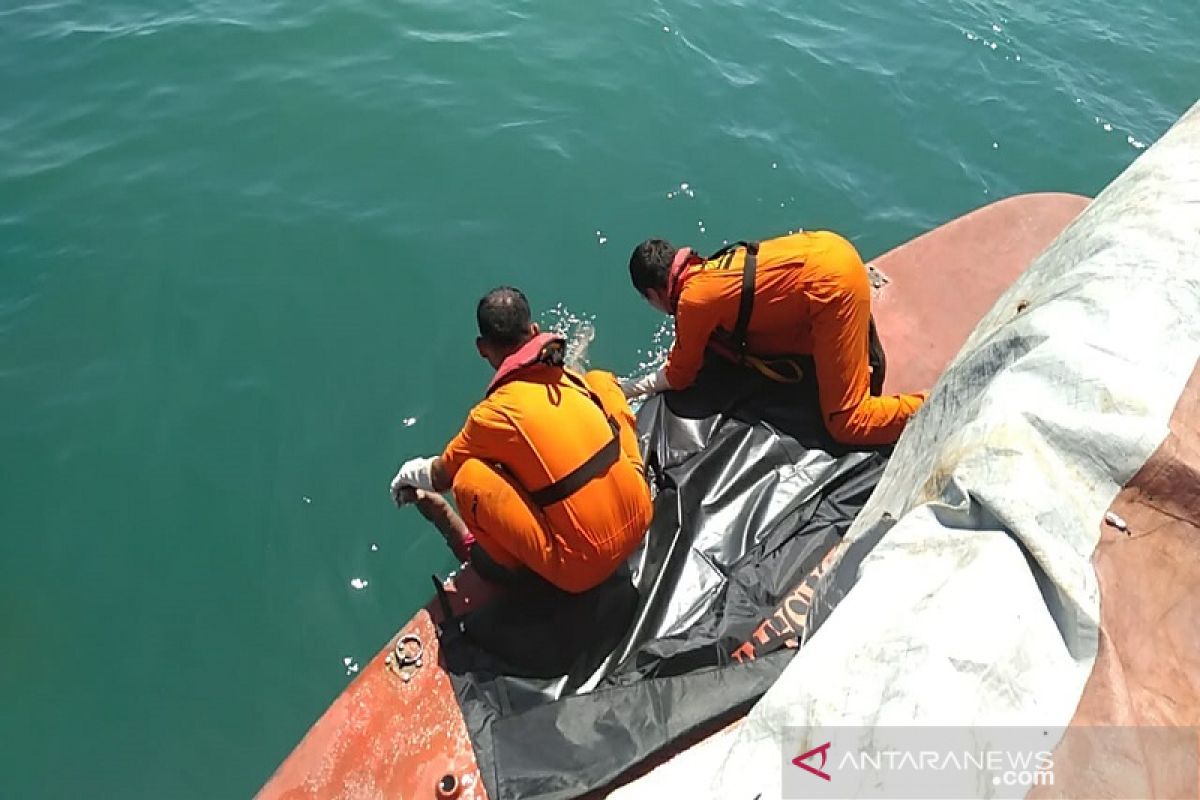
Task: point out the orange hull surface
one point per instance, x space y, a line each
397 732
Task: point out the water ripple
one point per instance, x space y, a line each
455 37
732 72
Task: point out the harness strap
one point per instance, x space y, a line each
579 477
733 345
746 302
589 470
737 339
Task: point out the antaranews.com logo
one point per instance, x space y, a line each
909 763
1008 768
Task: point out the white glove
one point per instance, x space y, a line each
653 383
417 473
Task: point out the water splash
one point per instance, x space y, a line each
655 355
685 188
578 329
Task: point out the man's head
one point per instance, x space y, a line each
505 324
649 267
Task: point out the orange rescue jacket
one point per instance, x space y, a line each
811 296
543 425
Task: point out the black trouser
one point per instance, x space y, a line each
876 358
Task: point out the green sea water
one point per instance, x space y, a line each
240 247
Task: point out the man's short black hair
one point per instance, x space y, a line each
503 316
650 264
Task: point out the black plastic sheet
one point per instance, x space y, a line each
563 694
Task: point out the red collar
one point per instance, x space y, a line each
684 258
538 350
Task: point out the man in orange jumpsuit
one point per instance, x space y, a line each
806 293
547 472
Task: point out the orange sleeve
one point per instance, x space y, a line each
840 331
487 435
695 321
608 389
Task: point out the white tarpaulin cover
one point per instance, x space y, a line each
972 597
